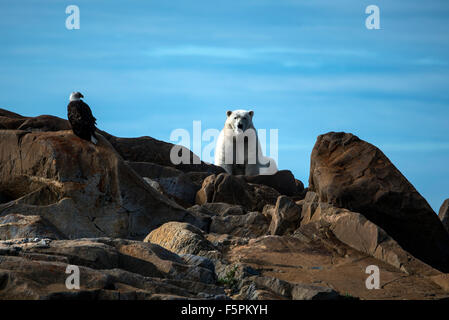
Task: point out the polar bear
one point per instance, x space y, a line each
238 148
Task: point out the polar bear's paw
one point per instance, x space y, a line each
270 167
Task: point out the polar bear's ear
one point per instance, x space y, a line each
228 113
251 113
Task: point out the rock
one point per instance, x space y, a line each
219 208
285 216
353 174
234 190
179 186
147 149
199 261
442 280
153 170
260 196
10 120
310 204
81 189
144 149
13 226
282 181
155 185
252 224
314 256
109 269
262 288
181 238
13 121
10 114
225 240
217 211
45 123
300 190
310 292
354 230
223 188
444 214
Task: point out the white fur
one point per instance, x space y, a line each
75 96
238 124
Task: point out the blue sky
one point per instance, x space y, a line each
304 67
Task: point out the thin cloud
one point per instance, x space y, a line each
416 147
247 53
295 147
430 62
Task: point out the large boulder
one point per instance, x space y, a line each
350 173
234 190
181 238
444 214
81 189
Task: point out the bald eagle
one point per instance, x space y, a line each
81 118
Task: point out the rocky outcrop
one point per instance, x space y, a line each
143 149
147 149
13 121
209 235
353 174
444 214
81 189
314 256
109 269
354 230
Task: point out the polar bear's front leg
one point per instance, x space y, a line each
221 149
270 168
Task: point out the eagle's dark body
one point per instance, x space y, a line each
82 121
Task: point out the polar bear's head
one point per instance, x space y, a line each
239 120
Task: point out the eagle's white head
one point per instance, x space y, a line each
76 96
